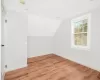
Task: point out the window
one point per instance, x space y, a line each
81 31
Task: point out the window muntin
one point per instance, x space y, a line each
81 31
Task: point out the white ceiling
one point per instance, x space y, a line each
42 26
46 12
14 5
54 8
61 8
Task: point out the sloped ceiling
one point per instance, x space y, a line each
42 26
61 8
45 15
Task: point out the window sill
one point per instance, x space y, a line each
81 47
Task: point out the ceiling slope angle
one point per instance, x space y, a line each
42 26
61 8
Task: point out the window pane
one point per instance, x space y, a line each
80 26
84 39
76 27
85 25
77 38
80 39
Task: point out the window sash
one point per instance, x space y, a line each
80 39
88 17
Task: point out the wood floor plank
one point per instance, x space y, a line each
52 67
39 58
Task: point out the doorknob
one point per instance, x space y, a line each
2 45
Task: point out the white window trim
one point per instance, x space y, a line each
87 16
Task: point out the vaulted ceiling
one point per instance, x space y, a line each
61 8
42 26
54 10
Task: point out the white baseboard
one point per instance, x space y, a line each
18 67
2 75
80 63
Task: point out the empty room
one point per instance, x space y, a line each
50 40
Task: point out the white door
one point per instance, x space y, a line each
16 51
2 46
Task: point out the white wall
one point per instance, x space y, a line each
45 16
16 37
39 45
42 26
40 34
62 43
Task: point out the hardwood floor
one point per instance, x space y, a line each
52 67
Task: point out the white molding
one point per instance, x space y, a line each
11 69
87 16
